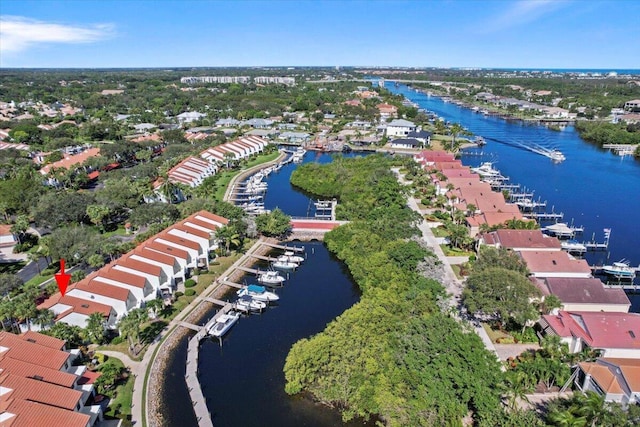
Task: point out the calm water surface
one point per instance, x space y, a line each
592 187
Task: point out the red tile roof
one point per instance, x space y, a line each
32 353
530 239
210 217
43 339
492 218
31 414
99 288
69 161
554 262
168 250
156 256
80 306
598 329
116 275
611 373
141 266
39 391
180 241
29 370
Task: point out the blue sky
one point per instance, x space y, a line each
440 33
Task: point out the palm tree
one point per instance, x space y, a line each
567 418
95 328
455 128
592 407
44 318
516 386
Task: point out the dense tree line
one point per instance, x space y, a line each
608 133
393 355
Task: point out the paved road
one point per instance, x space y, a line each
30 270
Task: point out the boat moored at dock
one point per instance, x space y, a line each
258 293
271 278
620 270
248 303
223 323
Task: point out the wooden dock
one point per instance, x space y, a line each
214 301
284 247
190 326
193 384
262 257
232 284
252 270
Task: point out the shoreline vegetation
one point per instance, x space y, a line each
377 359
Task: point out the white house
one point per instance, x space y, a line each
190 116
400 128
617 380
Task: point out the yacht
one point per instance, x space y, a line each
258 293
248 303
486 170
620 269
223 324
271 278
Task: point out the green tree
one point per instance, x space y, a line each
95 329
95 260
275 223
9 282
501 294
98 214
20 227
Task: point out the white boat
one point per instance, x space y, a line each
620 269
271 278
248 303
258 293
223 324
291 256
486 170
284 264
573 246
556 156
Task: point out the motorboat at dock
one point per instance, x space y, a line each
561 229
573 246
291 256
284 264
223 323
248 303
258 293
487 170
620 270
271 278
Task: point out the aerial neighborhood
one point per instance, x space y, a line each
134 179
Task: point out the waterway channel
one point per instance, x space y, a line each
243 381
592 187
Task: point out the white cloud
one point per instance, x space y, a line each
520 13
19 33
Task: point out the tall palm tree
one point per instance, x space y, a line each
44 318
95 328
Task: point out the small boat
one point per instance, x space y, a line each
573 246
479 141
223 324
620 269
291 256
258 293
284 264
556 156
271 278
248 303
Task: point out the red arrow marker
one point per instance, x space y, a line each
62 278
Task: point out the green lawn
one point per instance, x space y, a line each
12 267
120 405
440 232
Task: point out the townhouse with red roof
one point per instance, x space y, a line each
613 334
555 264
39 386
153 269
583 294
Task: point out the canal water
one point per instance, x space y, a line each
592 187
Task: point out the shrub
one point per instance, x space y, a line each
117 340
190 292
190 283
179 294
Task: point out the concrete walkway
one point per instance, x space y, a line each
451 283
128 362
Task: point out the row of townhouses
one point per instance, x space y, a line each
40 386
592 316
152 270
193 170
239 79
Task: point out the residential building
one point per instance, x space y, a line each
387 110
216 79
190 116
7 238
613 334
520 240
422 136
406 143
615 379
400 128
289 81
583 294
191 171
39 386
555 264
633 105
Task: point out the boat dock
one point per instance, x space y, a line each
544 216
284 247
